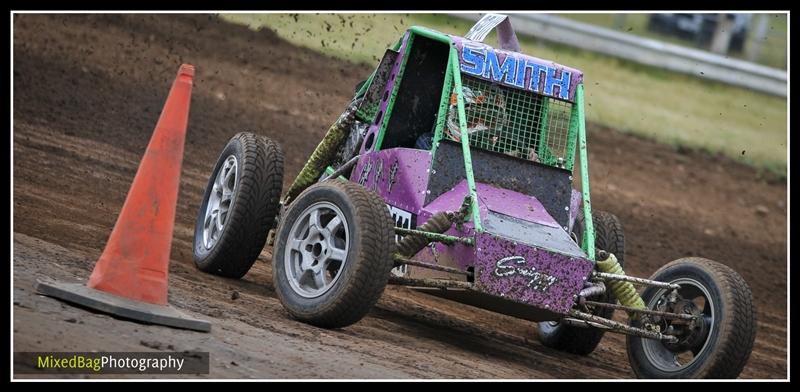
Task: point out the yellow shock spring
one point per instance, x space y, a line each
624 291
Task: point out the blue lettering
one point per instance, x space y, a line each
497 72
563 83
512 71
473 60
519 81
536 70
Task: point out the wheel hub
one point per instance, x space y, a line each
692 298
316 249
691 335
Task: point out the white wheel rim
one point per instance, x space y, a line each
316 250
220 202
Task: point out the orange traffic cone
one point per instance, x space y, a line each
130 278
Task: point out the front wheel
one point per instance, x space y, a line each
239 206
333 253
717 343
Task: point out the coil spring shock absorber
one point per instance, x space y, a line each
411 244
438 223
624 291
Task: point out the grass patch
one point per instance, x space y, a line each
657 104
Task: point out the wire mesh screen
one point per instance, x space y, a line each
511 121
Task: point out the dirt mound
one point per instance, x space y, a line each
88 90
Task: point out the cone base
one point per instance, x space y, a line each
121 307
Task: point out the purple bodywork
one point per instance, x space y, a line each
529 274
399 175
503 266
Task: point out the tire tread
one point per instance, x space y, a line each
254 210
737 328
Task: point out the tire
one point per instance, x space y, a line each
351 282
729 316
609 234
610 237
254 203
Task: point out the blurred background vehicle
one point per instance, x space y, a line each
701 28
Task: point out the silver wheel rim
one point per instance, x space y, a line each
220 201
316 250
655 351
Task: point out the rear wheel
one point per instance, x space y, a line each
333 253
717 343
610 237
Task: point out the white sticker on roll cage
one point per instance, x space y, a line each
484 26
404 219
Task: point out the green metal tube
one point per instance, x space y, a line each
462 123
588 231
435 237
413 243
400 259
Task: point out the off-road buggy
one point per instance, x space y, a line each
451 171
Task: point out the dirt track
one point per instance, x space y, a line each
87 93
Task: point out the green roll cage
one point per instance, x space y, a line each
577 130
